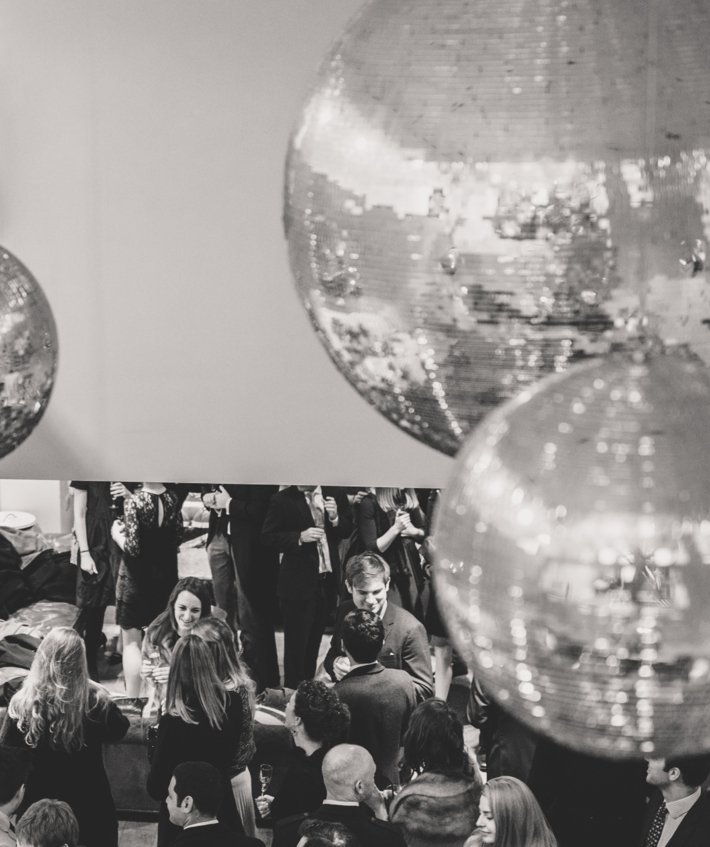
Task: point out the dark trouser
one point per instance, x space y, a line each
257 637
89 624
304 623
219 557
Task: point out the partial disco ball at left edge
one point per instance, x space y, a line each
28 352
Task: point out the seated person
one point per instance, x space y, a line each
14 767
317 720
195 794
367 578
380 699
48 823
351 799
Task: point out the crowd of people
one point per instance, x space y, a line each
381 756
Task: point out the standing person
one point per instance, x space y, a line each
64 719
305 524
367 578
678 814
202 722
149 537
220 639
195 795
188 603
391 522
380 699
440 805
95 573
239 511
510 816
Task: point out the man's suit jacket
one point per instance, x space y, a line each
287 516
369 831
214 835
694 829
381 701
406 646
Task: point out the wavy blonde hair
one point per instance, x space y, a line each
55 697
195 690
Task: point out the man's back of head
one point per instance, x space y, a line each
48 823
348 773
195 793
363 634
316 833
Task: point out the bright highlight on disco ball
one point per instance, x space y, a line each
28 352
478 193
574 556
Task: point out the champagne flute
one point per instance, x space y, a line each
266 773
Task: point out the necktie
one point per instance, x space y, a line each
659 820
315 504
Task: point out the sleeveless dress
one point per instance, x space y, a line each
148 571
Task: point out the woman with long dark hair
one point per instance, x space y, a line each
219 637
202 722
188 603
439 805
64 718
511 816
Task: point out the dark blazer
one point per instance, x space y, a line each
381 701
694 829
287 516
369 831
215 835
405 647
302 789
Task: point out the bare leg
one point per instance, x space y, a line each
132 661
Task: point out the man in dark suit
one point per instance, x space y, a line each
349 777
678 814
195 794
305 523
245 567
380 699
367 578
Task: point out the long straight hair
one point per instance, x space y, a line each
219 637
391 499
519 820
195 690
54 699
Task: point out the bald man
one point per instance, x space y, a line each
351 797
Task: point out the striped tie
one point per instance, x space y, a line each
654 833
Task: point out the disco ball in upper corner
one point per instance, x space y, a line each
478 194
28 352
574 556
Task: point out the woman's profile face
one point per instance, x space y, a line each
485 821
187 610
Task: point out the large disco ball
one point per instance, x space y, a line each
574 556
28 352
478 194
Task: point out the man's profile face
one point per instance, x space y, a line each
370 592
176 813
656 773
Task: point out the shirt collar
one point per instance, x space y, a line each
4 822
201 823
678 808
328 802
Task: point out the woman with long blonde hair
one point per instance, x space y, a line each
63 718
202 722
510 816
220 639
